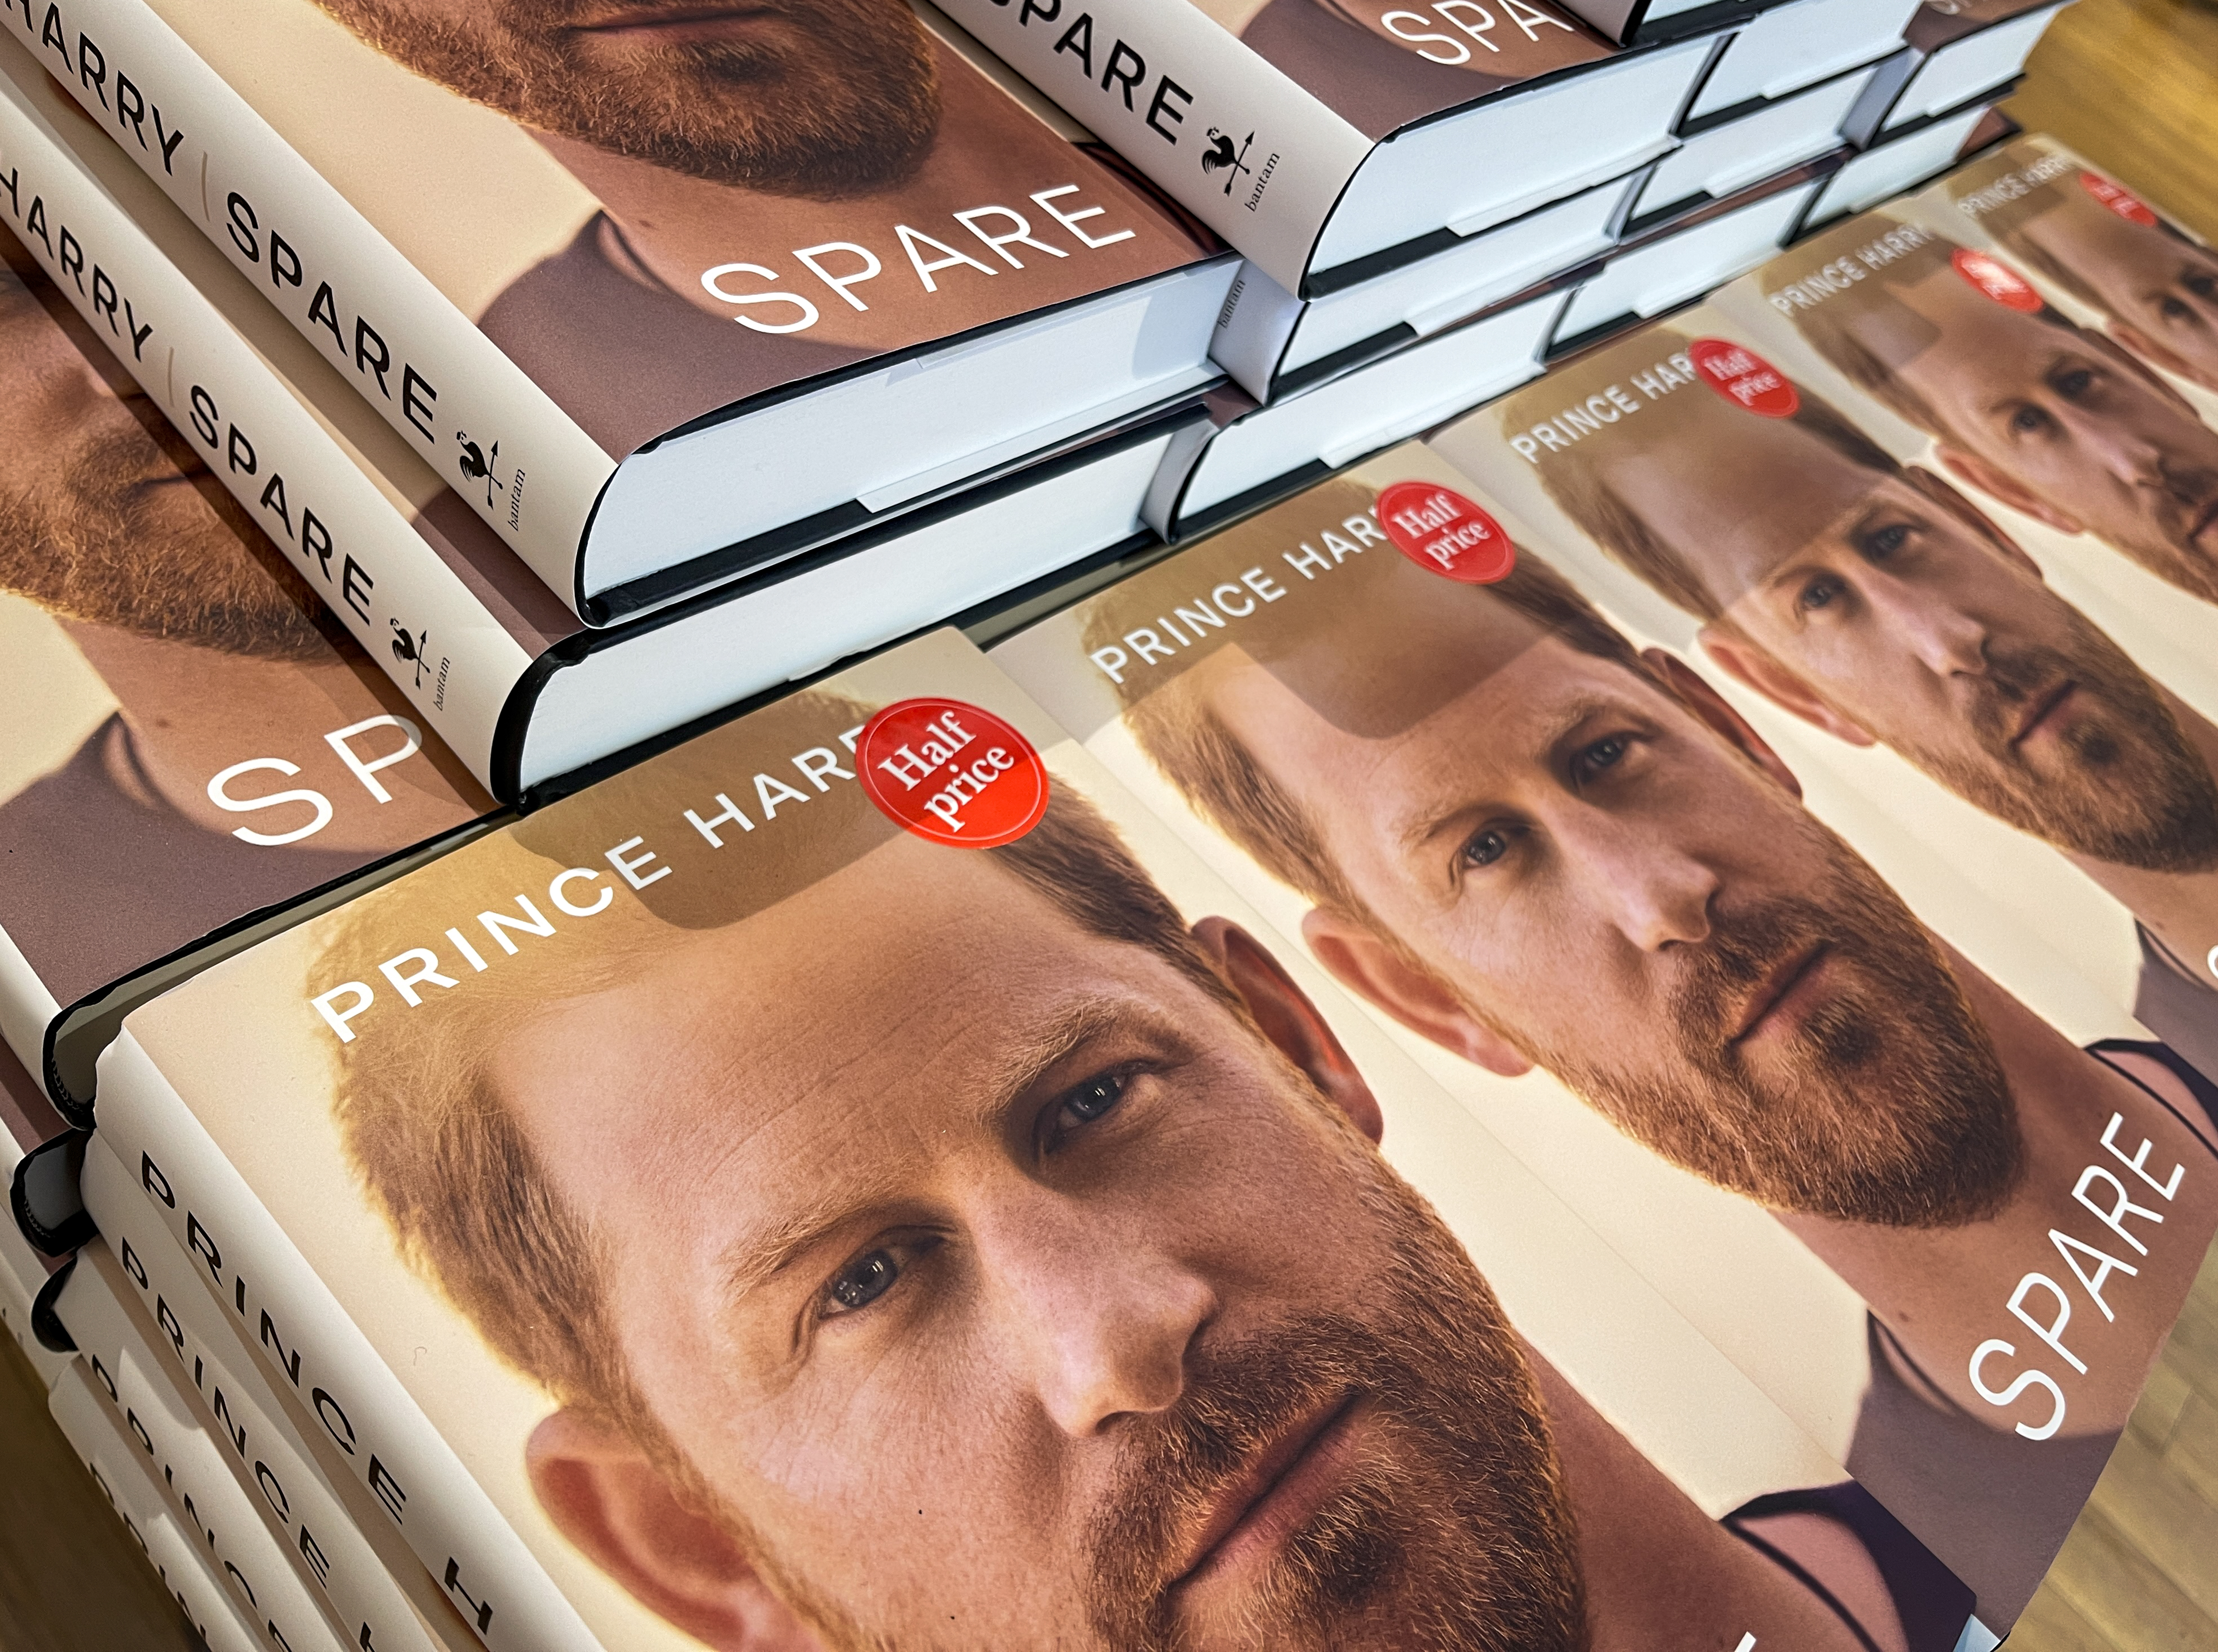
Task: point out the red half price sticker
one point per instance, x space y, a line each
1444 533
951 772
1743 378
1997 279
2126 206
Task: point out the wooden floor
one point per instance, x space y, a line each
2132 85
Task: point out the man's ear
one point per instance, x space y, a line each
2134 339
1947 498
1379 975
1752 666
1289 1020
605 1497
1706 702
1969 468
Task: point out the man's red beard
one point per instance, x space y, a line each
1452 1533
2130 790
109 533
1886 1105
827 100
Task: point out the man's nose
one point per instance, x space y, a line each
1104 1318
2129 452
1656 890
1942 638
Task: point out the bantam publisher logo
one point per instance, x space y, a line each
1743 378
1997 279
953 773
2118 201
1444 533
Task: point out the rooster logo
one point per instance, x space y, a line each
477 464
1220 156
408 650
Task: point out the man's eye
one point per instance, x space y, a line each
2203 285
1082 1103
861 1282
1884 542
2029 421
2074 382
1486 846
2172 309
1605 753
1820 593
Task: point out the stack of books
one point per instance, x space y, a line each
1594 1028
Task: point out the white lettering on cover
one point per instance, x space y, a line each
220 794
2044 1306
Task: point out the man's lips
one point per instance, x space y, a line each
1280 1489
1788 981
2203 530
675 22
2041 710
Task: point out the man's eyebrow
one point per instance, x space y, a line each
1428 820
1790 568
768 1248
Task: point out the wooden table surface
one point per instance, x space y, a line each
2132 84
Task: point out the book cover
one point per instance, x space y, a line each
195 739
857 1178
1703 986
2148 281
2095 475
540 244
1944 341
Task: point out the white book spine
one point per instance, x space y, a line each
401 342
305 1338
348 537
1165 85
235 1543
95 1434
1253 330
202 1354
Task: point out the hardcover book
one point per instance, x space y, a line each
1910 155
1633 22
1703 982
486 655
195 742
1954 51
193 1394
262 1580
103 1441
673 291
1330 141
657 1325
1786 47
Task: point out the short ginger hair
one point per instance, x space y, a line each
1192 746
1574 479
443 1159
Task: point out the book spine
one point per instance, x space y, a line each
189 1465
237 1410
350 539
306 1342
394 336
96 1435
1170 88
1253 330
